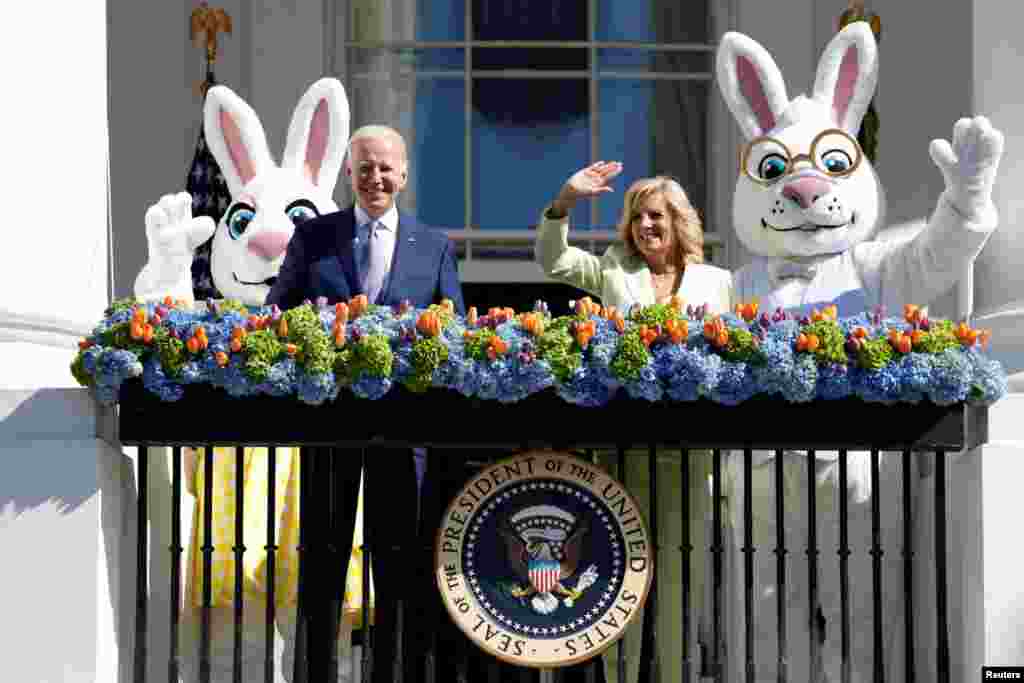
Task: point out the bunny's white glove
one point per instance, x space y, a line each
969 166
173 235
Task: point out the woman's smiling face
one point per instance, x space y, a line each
651 225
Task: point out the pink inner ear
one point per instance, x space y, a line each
236 148
316 146
753 91
846 84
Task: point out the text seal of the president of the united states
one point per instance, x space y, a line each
543 559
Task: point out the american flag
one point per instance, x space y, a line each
544 574
210 197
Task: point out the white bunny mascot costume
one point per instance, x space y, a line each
807 203
248 248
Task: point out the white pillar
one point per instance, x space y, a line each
54 283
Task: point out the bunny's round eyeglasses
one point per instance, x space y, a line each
766 160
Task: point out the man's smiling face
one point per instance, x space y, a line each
377 171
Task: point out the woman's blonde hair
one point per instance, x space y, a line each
686 224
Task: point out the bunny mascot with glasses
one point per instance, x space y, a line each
807 203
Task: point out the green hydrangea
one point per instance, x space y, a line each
559 349
305 331
78 371
658 314
171 352
631 357
875 353
119 336
119 305
940 336
427 354
371 355
476 345
262 349
231 306
741 347
831 342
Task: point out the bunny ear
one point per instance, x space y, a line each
318 133
236 138
847 75
751 84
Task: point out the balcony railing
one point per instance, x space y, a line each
207 417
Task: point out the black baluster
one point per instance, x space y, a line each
429 600
942 650
300 666
621 645
748 552
844 569
207 549
590 672
910 647
812 565
329 643
687 550
268 654
649 668
780 565
174 660
142 566
239 549
368 548
876 567
716 550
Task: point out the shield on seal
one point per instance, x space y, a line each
544 574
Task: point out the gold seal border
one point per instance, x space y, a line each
477 623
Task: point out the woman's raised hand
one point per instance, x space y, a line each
591 181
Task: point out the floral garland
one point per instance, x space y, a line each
656 353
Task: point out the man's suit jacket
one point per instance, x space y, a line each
319 262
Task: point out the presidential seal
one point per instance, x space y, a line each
543 560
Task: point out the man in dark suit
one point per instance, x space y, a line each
371 248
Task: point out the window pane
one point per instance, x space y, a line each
437 181
655 21
519 167
440 19
530 20
664 61
654 128
428 112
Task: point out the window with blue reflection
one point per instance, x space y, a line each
440 20
519 169
440 175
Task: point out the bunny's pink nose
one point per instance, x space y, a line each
269 244
805 191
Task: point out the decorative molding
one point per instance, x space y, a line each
40 329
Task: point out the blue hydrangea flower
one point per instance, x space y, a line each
646 385
583 388
914 371
315 389
802 382
951 377
735 385
990 382
833 382
371 387
877 386
156 381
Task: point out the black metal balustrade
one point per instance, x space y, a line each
208 417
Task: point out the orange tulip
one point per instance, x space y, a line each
860 332
236 344
168 301
282 328
620 322
429 324
984 336
912 313
291 349
357 305
192 345
916 337
221 358
84 344
676 302
722 339
499 345
136 330
471 316
147 333
813 342
341 312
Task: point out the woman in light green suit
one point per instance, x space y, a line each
659 254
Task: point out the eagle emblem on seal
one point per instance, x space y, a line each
543 545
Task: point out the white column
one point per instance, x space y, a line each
54 283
